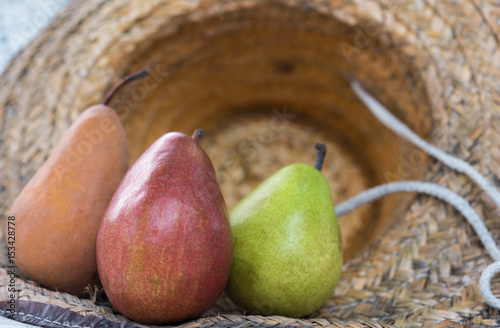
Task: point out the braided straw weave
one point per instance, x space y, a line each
231 66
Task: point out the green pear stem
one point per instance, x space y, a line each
198 135
121 83
320 155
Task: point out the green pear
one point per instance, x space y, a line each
287 246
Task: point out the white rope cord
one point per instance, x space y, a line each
402 130
432 189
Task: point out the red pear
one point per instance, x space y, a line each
164 247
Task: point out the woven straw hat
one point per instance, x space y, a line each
233 68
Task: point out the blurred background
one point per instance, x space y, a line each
21 21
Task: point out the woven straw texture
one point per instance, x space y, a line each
230 66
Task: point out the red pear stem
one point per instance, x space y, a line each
121 83
320 155
198 135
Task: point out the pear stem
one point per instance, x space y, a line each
320 155
198 135
121 83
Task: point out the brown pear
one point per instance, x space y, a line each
57 214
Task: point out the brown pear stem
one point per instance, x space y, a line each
198 135
320 155
121 83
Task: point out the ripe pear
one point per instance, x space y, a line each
287 243
164 247
58 212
